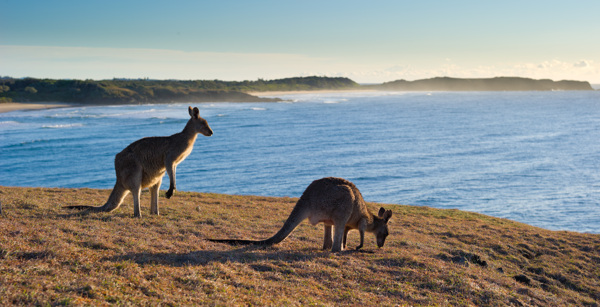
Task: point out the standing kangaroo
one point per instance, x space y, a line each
143 163
335 202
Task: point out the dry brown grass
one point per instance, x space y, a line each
50 256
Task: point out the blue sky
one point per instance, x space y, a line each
367 41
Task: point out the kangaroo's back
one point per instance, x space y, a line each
330 197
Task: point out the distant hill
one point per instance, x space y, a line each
295 84
489 84
127 91
139 91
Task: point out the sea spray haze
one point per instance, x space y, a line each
529 156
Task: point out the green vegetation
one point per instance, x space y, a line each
490 84
294 84
155 91
51 256
121 91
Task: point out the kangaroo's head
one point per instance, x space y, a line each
200 124
381 225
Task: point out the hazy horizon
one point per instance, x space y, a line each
594 85
236 40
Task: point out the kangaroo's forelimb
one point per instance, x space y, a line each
171 171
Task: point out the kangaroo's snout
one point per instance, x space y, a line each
380 242
207 132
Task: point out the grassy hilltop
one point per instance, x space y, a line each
49 256
139 91
485 84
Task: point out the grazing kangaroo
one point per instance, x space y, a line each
143 163
335 202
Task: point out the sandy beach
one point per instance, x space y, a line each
17 106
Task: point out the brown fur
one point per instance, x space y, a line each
338 204
143 163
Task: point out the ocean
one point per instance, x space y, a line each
533 157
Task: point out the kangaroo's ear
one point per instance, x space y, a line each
195 113
381 212
387 215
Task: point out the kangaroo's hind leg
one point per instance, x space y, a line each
339 226
134 184
338 235
327 238
343 204
154 197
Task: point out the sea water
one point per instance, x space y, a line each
533 157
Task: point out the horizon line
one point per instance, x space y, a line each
274 79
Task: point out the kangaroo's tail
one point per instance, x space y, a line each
236 242
114 201
82 207
298 214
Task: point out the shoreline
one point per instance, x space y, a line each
26 106
29 106
279 93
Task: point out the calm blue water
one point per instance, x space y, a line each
533 157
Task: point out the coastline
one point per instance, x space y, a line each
21 106
279 93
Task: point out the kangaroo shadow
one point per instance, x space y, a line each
81 213
86 213
241 255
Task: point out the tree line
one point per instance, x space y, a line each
155 91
